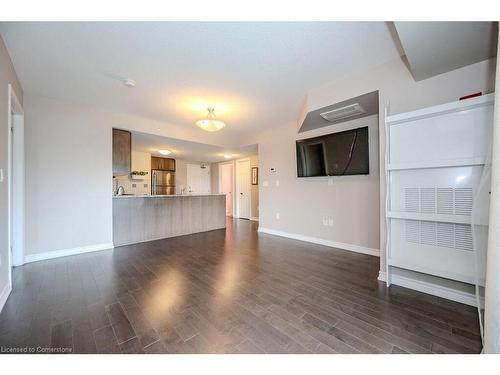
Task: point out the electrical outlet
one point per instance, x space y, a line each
277 215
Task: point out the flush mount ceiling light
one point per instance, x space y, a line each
210 123
165 152
227 156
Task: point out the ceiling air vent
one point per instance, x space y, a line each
343 112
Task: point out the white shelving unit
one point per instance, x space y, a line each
435 158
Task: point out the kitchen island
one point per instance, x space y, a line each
141 218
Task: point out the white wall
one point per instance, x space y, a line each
7 76
302 203
395 85
68 176
254 189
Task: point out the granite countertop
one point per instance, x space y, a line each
165 196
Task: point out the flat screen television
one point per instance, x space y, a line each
337 154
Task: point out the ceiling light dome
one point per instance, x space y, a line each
210 123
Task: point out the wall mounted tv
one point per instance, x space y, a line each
337 154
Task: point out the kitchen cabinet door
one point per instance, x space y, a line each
164 164
170 164
122 152
155 162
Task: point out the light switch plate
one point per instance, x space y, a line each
330 181
277 182
265 183
1 174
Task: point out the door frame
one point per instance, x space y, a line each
237 212
15 179
233 182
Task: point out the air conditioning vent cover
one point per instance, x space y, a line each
343 112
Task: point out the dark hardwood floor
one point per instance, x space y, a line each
232 291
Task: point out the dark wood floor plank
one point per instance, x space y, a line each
132 346
227 291
62 336
105 340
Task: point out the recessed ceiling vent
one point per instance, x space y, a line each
343 112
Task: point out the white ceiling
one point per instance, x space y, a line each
434 48
255 74
185 150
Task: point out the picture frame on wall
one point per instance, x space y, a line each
255 175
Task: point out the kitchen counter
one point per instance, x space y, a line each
140 218
165 196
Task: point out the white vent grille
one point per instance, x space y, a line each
428 200
453 236
412 231
428 233
463 201
446 201
412 200
463 237
343 112
445 235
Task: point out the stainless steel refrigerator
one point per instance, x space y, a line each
162 182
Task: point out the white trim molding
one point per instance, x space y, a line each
4 295
320 241
66 252
382 276
436 290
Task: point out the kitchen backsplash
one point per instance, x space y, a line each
133 186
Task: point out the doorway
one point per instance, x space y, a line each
226 182
15 175
243 188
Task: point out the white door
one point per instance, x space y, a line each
198 179
243 188
226 186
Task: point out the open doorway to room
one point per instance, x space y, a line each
226 185
246 187
16 181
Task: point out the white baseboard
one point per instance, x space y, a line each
4 295
436 290
382 276
254 218
319 241
67 252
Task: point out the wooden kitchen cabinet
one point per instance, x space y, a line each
165 164
170 164
122 152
